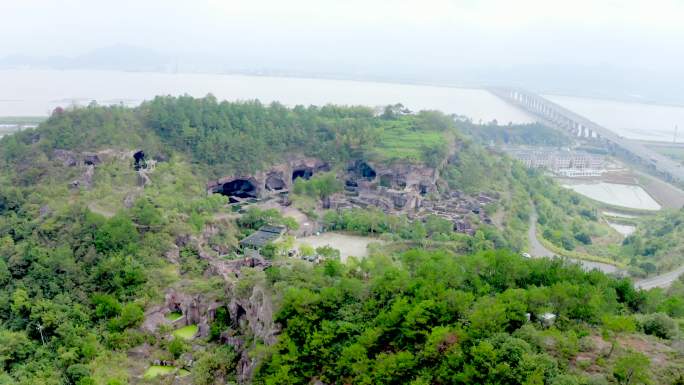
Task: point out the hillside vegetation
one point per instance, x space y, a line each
531 134
434 318
658 243
80 265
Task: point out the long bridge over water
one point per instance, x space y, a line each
561 118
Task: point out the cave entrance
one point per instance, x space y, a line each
139 158
238 188
240 313
304 173
275 183
365 171
423 188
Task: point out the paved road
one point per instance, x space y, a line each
537 250
662 280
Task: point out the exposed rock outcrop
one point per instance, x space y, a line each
173 255
254 314
67 158
251 316
130 198
401 176
86 179
398 187
196 309
278 178
91 159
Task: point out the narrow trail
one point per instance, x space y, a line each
537 250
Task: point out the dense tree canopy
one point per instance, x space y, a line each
79 267
434 318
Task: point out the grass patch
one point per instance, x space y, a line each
186 332
577 255
158 370
174 316
674 152
400 141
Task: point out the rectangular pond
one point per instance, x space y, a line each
624 230
624 195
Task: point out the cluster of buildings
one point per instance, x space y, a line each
563 163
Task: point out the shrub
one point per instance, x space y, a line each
106 306
177 347
131 315
78 374
659 325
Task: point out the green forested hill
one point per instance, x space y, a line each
80 266
224 138
532 134
659 241
433 318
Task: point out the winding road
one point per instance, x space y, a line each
662 280
537 250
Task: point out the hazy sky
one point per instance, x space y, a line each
362 35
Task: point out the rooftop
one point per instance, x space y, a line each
263 236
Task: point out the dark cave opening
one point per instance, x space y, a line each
423 188
240 314
139 158
361 169
239 188
305 173
366 171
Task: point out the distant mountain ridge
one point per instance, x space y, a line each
118 57
599 81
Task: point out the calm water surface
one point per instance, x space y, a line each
631 120
630 196
624 230
37 92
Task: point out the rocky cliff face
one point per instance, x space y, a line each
90 160
251 316
276 179
398 188
195 309
406 176
254 315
